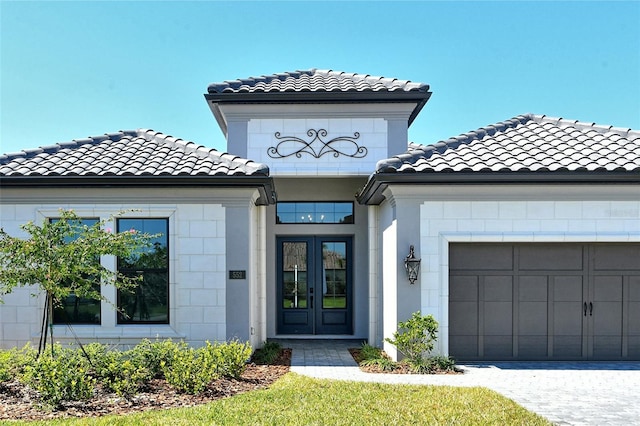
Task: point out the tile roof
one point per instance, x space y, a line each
314 80
526 143
127 153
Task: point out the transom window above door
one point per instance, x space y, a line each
314 213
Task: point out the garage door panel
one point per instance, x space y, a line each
466 318
607 318
633 347
568 288
607 289
567 347
616 257
463 288
532 318
634 317
567 318
498 347
550 257
472 257
532 347
498 288
634 288
533 288
464 347
498 318
607 347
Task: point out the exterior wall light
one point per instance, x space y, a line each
412 265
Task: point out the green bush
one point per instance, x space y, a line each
117 371
230 358
383 363
190 370
126 377
13 362
370 356
268 354
6 366
153 355
61 376
370 352
415 337
443 363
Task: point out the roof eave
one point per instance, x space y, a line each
308 97
371 193
264 184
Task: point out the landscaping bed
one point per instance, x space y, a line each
17 401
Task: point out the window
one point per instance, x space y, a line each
148 303
315 213
77 310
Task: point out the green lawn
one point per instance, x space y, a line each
299 400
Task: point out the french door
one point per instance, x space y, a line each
314 285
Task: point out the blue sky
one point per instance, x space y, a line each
76 69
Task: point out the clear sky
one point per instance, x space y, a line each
77 69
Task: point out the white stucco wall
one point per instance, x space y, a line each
372 136
197 276
606 214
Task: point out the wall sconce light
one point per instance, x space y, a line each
412 265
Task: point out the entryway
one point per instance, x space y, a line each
314 285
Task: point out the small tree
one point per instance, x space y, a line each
62 257
415 337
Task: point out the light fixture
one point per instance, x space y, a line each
412 265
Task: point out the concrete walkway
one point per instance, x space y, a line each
566 393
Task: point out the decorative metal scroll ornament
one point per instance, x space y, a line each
316 147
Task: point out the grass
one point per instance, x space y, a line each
295 400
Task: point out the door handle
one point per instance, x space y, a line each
311 302
585 309
590 309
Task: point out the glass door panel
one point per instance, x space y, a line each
294 271
334 275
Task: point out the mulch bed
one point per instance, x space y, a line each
19 402
401 368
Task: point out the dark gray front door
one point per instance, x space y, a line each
544 301
314 285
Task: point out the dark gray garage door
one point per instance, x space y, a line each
544 301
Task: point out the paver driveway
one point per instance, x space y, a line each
566 393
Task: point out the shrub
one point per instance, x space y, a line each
370 356
153 355
444 363
382 363
124 373
189 370
13 362
268 354
370 352
230 358
415 337
59 377
126 377
6 366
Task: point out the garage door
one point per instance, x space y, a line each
544 301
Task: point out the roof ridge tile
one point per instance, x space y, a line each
316 80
